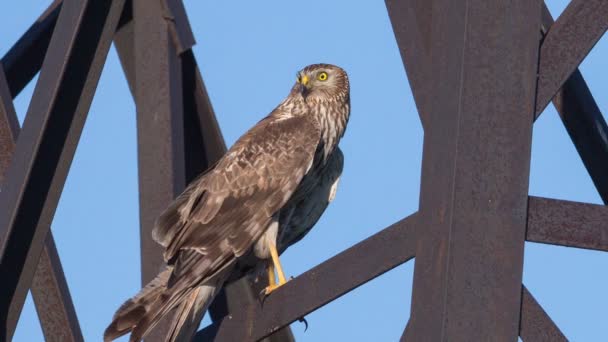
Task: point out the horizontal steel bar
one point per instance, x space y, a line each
322 284
47 142
536 325
566 223
24 59
566 44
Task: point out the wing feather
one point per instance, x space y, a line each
310 201
222 213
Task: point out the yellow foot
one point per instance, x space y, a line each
271 288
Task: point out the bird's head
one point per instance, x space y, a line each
322 81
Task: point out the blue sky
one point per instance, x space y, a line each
249 53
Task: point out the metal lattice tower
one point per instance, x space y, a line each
481 72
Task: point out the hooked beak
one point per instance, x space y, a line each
303 81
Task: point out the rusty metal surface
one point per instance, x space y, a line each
24 59
124 42
235 297
179 25
49 286
204 142
586 127
536 325
567 43
333 278
411 22
160 130
9 126
47 144
52 298
406 336
467 278
584 122
158 97
566 223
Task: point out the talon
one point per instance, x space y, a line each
262 296
271 288
303 320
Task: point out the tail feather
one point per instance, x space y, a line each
181 318
131 312
140 314
191 312
161 306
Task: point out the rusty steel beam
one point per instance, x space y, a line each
124 42
406 336
160 130
204 142
179 26
47 142
567 43
536 325
52 297
49 287
566 223
586 127
158 96
475 171
322 284
584 122
24 59
9 125
411 21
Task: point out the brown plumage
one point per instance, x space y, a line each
266 192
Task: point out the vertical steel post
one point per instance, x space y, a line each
474 190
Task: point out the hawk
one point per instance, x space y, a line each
263 195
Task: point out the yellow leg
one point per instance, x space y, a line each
276 263
271 278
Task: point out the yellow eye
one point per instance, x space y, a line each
322 76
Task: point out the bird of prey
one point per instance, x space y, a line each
263 195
